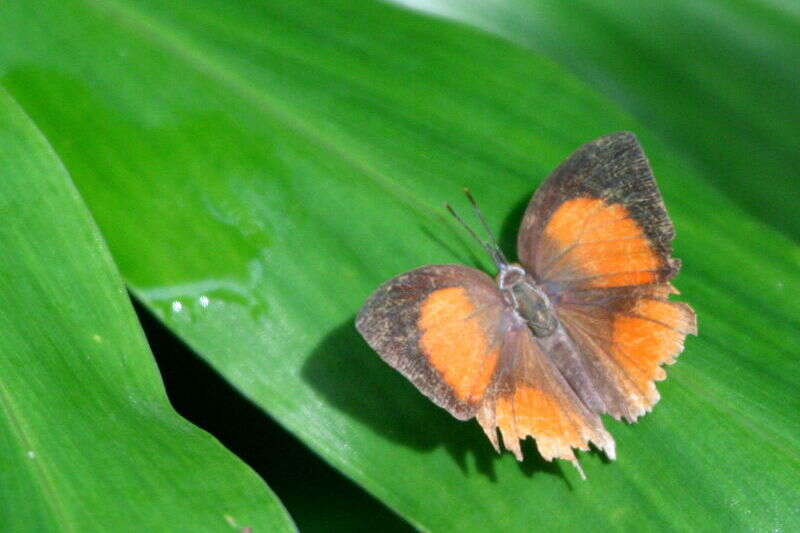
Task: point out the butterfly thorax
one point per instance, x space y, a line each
528 299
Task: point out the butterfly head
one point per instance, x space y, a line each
520 290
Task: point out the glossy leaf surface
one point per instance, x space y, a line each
716 79
258 169
88 439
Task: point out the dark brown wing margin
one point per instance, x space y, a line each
613 169
439 326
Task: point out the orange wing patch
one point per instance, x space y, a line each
601 244
456 343
532 412
650 335
567 223
629 345
533 399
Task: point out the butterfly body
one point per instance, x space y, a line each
527 299
578 328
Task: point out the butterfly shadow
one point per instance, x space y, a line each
510 228
354 380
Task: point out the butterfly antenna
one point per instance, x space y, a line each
466 226
491 247
496 252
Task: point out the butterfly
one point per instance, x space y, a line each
580 327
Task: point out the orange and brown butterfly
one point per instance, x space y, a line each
578 328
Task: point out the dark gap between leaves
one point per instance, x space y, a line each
317 496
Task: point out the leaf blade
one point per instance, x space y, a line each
714 79
91 442
285 234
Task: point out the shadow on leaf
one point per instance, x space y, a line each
353 379
510 229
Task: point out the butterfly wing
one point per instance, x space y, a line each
441 327
597 236
599 220
449 331
530 397
625 334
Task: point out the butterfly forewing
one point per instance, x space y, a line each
599 221
441 326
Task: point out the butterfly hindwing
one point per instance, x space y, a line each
625 335
530 397
440 326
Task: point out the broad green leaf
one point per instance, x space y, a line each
88 439
717 78
258 169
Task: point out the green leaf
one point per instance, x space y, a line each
717 79
259 169
88 439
